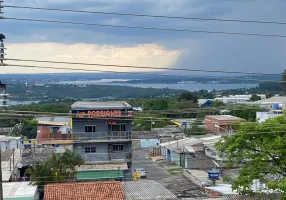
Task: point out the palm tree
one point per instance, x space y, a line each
58 168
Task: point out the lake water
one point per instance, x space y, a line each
189 87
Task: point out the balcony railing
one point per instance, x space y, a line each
106 157
126 135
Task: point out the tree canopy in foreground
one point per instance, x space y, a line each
260 152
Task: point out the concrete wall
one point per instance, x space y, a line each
192 178
101 153
9 144
145 143
200 161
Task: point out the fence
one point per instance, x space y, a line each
103 136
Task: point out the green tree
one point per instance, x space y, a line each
217 103
254 97
245 112
189 96
259 150
58 168
269 95
29 128
196 129
155 104
283 81
143 122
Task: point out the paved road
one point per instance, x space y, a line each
177 184
153 170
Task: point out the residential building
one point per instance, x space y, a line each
19 191
3 96
101 190
220 123
53 130
102 135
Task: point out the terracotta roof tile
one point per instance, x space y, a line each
101 190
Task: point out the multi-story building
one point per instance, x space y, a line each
3 96
102 136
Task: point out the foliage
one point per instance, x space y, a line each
58 168
56 106
269 95
259 150
254 97
283 81
190 96
5 123
245 112
217 103
28 128
196 129
155 104
226 179
143 122
103 92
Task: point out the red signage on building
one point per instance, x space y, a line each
103 114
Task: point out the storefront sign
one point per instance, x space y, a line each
102 114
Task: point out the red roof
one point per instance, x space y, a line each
100 190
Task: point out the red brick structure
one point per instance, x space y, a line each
53 131
220 123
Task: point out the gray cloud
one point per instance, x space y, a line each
203 51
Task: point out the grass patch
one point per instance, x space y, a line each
175 171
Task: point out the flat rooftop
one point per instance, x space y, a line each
100 105
224 117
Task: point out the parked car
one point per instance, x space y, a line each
142 172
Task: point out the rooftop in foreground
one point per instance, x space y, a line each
101 190
104 105
19 190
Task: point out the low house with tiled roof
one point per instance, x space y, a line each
101 190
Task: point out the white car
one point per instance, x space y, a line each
142 172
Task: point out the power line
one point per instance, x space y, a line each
141 67
146 15
105 71
145 28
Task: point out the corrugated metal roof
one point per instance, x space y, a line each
100 105
146 190
58 142
224 117
18 190
52 123
177 145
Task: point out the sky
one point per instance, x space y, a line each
152 48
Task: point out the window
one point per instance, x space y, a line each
55 130
90 149
90 129
118 127
117 147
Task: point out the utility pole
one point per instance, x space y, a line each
1 187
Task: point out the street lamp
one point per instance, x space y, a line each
227 131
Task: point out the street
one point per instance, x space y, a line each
177 184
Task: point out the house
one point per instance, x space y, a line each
10 160
56 129
3 96
19 191
102 135
9 142
175 151
220 123
101 190
144 139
